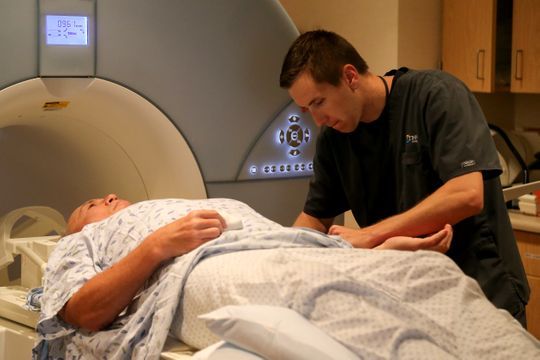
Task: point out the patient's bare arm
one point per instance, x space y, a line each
104 296
439 241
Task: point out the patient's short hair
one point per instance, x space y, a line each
322 53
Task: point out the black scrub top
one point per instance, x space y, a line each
431 130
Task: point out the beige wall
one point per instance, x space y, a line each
387 33
419 34
512 111
498 108
527 110
371 26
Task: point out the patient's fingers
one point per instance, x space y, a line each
336 230
436 238
189 232
441 240
207 214
201 225
209 233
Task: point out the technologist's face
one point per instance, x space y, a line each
95 210
329 105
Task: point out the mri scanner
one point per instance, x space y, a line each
149 99
156 99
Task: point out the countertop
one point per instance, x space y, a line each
524 222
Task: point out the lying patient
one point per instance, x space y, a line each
86 308
115 271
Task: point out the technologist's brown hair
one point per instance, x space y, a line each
322 53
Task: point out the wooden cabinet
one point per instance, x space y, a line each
468 43
529 249
492 45
525 49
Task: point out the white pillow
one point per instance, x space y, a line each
224 351
274 333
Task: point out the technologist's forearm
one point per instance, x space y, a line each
305 220
456 200
103 297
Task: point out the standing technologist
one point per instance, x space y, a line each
407 152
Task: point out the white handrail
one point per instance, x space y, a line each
9 245
518 190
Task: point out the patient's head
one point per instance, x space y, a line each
94 210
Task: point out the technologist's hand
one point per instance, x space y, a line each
440 241
189 232
358 238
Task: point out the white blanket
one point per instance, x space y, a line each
378 303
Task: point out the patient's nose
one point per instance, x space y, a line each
110 198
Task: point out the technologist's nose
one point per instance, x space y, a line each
319 120
110 198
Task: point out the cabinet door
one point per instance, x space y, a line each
529 249
469 42
533 309
525 47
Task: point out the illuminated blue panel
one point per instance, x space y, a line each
285 149
66 30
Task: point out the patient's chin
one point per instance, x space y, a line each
120 204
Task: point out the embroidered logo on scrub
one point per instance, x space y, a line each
468 163
411 139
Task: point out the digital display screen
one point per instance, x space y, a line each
66 30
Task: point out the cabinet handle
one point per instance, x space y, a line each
518 74
478 67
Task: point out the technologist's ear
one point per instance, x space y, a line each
351 76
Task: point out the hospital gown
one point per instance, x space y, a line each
393 319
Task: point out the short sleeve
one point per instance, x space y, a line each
69 267
460 139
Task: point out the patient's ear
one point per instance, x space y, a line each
70 227
73 224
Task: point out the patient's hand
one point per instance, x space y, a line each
439 241
189 232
